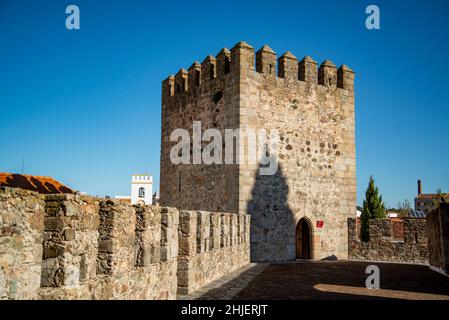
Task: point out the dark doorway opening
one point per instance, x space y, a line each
303 240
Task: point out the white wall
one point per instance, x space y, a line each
145 182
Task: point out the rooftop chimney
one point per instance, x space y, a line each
419 187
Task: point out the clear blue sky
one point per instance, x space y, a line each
84 106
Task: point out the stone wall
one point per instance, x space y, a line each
210 246
208 93
385 243
21 226
70 246
438 234
312 109
105 249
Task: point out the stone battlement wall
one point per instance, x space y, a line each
210 244
21 233
80 247
387 243
215 68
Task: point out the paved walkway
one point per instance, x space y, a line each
227 287
327 280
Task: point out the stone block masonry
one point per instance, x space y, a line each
70 240
70 246
389 244
113 250
211 244
438 234
311 107
21 234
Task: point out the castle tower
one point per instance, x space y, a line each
301 210
141 189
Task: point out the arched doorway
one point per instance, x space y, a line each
303 240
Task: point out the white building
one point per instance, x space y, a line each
389 214
141 189
392 214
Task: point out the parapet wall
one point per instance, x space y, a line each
211 244
79 247
390 240
21 226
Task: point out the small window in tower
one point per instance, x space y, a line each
227 66
142 193
197 77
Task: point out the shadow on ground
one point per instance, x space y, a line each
228 286
332 280
345 280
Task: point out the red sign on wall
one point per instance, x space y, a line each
319 224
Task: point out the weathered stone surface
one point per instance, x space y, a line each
69 234
70 240
200 261
105 249
438 235
21 227
383 246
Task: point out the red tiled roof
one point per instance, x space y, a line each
44 185
432 196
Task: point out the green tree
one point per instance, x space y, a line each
373 208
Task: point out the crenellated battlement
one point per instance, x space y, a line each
82 247
141 178
241 58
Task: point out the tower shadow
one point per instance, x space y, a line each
272 220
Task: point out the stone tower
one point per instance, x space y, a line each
301 211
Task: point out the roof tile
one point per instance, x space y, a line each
40 184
